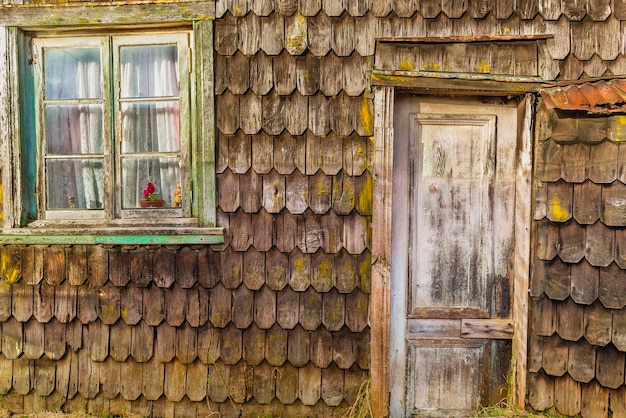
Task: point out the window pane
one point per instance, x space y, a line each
75 184
74 129
150 127
163 173
72 73
149 71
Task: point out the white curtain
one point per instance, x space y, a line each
150 122
74 129
149 94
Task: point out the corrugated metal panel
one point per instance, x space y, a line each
601 97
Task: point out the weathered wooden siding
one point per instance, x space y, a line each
276 320
578 286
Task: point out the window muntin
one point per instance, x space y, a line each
114 115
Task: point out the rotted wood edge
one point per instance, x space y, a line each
114 237
457 83
106 13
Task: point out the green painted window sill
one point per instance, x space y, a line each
113 236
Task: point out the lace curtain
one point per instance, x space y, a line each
74 131
149 91
149 142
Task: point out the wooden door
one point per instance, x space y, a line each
452 246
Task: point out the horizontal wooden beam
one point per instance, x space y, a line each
464 39
112 237
487 328
104 13
470 83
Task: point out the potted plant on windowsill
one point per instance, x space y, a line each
150 198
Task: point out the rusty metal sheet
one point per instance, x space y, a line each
600 97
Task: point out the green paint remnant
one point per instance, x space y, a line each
367 119
559 213
366 197
405 64
10 271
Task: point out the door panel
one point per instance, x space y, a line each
453 174
453 211
439 372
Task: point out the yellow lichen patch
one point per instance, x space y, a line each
345 270
360 156
10 269
326 271
616 128
364 272
295 41
237 11
405 64
366 197
124 313
484 67
276 274
432 66
298 264
367 119
321 189
277 200
1 205
559 213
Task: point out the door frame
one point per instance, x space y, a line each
380 299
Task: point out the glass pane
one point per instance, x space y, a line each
75 184
149 71
72 73
74 129
162 173
150 127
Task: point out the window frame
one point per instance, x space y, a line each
18 20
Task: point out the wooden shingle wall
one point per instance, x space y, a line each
183 330
276 320
577 333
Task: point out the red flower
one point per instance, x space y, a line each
149 192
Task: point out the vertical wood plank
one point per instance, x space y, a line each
276 346
381 249
310 384
153 373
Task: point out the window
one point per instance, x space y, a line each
112 126
107 129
